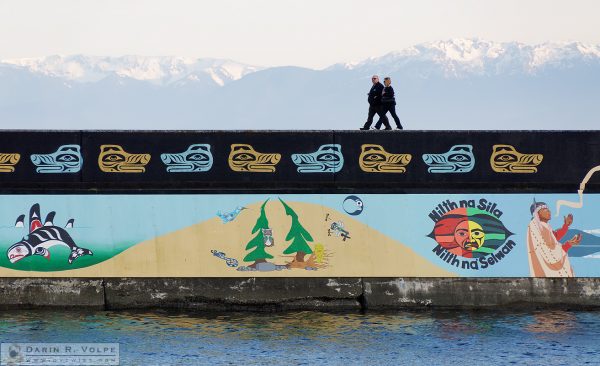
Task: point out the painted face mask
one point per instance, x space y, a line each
469 232
469 235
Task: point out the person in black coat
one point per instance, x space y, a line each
375 106
388 103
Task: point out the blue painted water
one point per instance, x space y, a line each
314 338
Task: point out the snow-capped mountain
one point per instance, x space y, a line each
460 58
157 70
456 84
456 58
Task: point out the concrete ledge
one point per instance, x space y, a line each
268 294
280 294
381 293
51 292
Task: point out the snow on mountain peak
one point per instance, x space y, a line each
158 70
454 58
462 57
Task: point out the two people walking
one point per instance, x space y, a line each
381 101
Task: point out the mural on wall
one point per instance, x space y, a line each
66 159
8 162
114 159
197 158
231 262
353 205
42 237
230 216
470 229
243 158
327 159
301 235
374 159
506 159
578 204
459 159
548 257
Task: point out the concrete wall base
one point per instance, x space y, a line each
281 294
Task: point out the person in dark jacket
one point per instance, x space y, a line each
375 105
388 103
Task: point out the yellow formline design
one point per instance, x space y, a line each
8 162
114 159
243 158
374 159
506 159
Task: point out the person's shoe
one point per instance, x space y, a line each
387 128
399 128
364 128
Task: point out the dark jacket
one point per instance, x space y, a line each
387 97
375 94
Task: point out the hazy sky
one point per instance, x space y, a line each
311 33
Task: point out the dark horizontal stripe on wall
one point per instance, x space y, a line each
298 161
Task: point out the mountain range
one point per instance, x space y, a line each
455 84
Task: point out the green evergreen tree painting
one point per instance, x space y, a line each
259 254
298 235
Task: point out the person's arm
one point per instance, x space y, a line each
570 243
558 234
568 220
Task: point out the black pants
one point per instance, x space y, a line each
376 109
392 109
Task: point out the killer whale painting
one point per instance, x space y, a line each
42 237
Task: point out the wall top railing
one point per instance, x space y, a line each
299 160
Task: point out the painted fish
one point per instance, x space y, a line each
230 216
43 237
231 262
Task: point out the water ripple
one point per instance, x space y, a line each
308 338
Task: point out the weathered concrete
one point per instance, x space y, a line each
279 294
266 294
381 293
48 292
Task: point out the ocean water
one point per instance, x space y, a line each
548 337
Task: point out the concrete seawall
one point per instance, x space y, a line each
167 234
281 294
